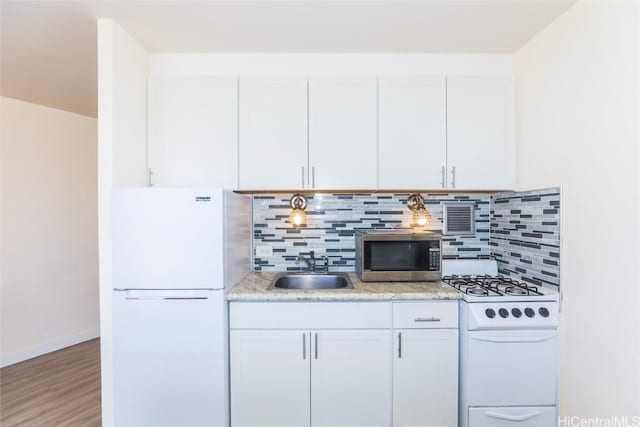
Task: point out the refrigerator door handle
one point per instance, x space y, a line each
166 298
170 295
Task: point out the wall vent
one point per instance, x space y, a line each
458 219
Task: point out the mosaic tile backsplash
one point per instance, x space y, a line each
333 218
525 235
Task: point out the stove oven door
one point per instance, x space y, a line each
511 368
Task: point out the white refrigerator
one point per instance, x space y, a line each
175 254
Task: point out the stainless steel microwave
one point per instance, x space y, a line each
398 256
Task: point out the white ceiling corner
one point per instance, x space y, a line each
49 50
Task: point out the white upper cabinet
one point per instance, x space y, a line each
480 133
343 133
353 133
412 132
193 131
273 133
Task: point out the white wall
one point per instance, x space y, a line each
328 64
577 85
129 92
122 160
49 287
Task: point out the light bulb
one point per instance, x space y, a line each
421 217
297 217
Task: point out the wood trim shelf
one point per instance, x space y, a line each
377 191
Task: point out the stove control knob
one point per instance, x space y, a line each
490 312
529 312
504 313
544 312
516 312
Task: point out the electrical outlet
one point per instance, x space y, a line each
264 251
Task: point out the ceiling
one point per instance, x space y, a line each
48 48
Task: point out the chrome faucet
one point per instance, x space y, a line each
312 264
311 261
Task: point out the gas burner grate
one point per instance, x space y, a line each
488 285
476 291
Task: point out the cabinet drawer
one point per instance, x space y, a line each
310 315
425 315
531 416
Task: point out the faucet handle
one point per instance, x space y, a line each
325 263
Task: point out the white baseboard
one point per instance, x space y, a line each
39 350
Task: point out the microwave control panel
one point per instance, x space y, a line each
434 255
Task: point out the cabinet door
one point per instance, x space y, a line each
342 133
270 378
425 378
273 134
412 129
351 378
480 133
193 131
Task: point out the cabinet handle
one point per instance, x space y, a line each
302 176
427 319
453 177
316 346
150 177
399 345
443 174
304 346
313 177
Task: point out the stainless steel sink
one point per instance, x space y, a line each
311 281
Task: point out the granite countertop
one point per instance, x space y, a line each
253 287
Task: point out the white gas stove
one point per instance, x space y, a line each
499 302
508 347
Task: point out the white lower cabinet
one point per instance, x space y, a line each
325 364
425 364
351 378
425 378
318 378
270 378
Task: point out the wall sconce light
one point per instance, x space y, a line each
298 204
421 216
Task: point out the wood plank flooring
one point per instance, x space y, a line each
58 389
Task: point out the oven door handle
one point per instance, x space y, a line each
497 339
507 417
